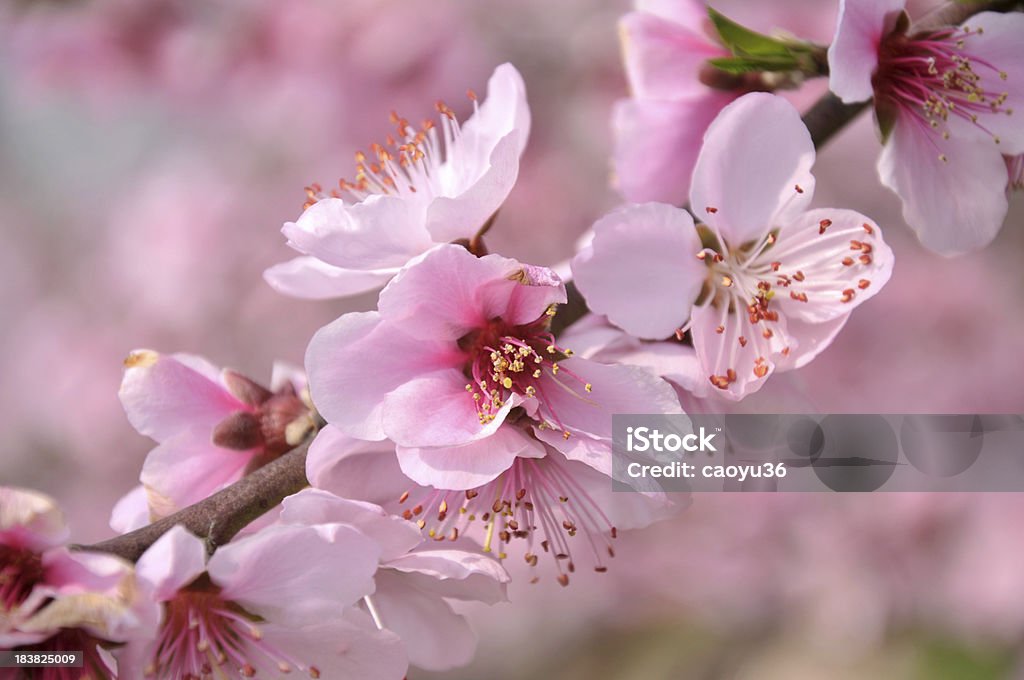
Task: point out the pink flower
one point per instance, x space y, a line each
665 45
458 369
425 186
946 101
263 606
549 498
414 582
765 284
213 425
56 600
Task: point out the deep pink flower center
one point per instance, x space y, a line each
71 640
20 570
935 76
205 636
535 498
505 360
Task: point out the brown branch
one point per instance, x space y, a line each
218 518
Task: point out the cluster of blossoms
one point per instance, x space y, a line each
451 428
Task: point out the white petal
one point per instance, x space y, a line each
176 559
641 269
310 278
954 206
297 574
754 169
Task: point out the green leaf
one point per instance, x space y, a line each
742 41
741 65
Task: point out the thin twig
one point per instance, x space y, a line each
218 518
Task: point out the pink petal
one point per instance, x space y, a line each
657 143
1001 46
174 561
810 340
448 292
69 573
504 110
378 232
165 394
664 58
354 362
838 254
537 289
588 416
470 465
853 55
189 467
954 206
395 535
464 213
296 574
756 153
308 277
351 468
436 410
456 574
692 13
641 269
436 638
131 512
340 648
29 519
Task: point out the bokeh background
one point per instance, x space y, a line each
151 149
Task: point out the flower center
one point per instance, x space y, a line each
408 163
934 76
202 633
739 282
743 283
70 640
507 360
534 496
20 570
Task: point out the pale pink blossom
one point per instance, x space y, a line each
213 426
265 605
460 370
54 599
658 130
546 501
946 101
415 580
771 284
427 185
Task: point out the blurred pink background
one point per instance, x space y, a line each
150 151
